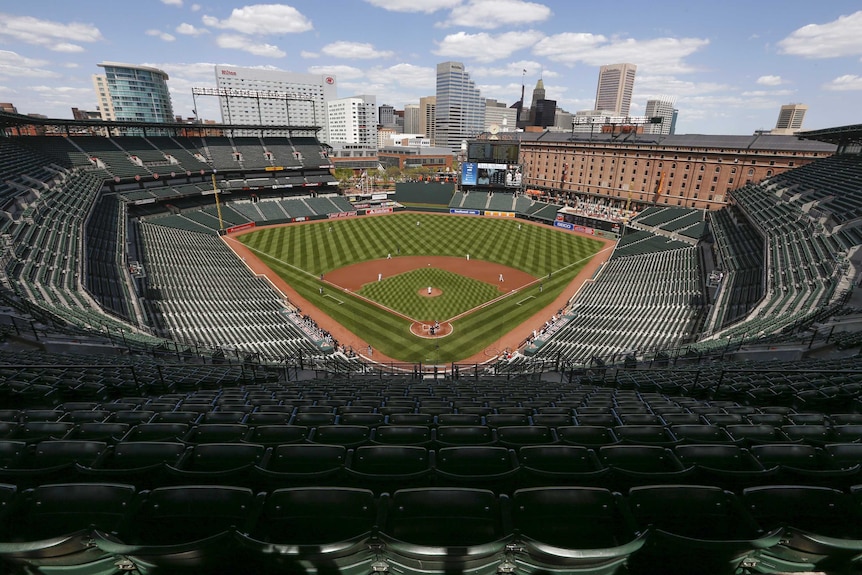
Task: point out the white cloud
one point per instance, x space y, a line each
262 19
767 93
485 47
831 40
309 55
406 75
15 65
190 30
845 83
529 70
490 14
173 2
161 35
67 47
57 36
425 6
770 80
355 50
195 7
237 42
656 56
340 72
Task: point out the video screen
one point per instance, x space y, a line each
493 152
482 174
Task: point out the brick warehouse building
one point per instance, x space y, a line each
693 170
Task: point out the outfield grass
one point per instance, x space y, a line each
300 254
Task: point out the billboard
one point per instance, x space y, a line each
490 175
493 152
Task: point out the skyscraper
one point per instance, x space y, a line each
614 91
411 119
427 111
130 93
460 110
386 115
275 97
790 119
660 108
353 120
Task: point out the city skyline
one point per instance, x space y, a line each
727 74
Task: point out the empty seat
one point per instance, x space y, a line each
489 466
52 460
587 435
573 529
515 436
389 467
217 463
803 464
54 523
440 529
267 418
217 433
273 435
645 434
139 463
346 435
821 527
366 419
402 435
412 419
643 464
729 466
303 464
328 526
453 435
747 434
543 465
700 433
313 419
459 419
694 529
107 432
190 527
157 432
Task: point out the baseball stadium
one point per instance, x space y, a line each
581 357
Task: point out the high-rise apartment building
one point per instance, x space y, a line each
353 120
130 93
427 111
460 110
386 115
614 91
660 108
790 119
411 119
259 96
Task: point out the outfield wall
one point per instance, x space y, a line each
432 193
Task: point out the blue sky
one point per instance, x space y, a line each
728 65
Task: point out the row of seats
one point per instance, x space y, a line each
92 527
381 467
271 428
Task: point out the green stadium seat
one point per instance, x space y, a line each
574 530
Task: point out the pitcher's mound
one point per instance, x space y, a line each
433 292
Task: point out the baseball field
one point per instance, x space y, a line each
419 287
